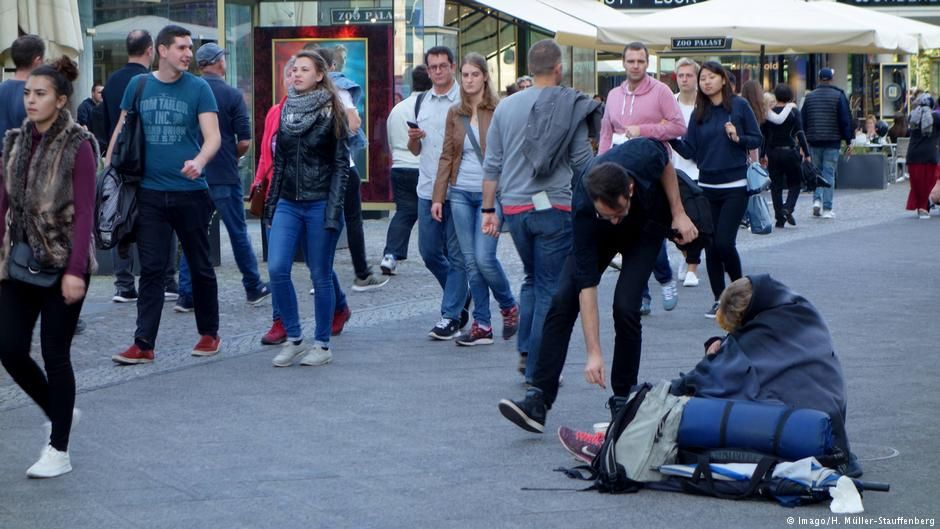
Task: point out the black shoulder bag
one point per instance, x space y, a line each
127 158
23 266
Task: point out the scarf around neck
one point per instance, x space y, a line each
301 110
922 116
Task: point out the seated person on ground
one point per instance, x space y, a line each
778 348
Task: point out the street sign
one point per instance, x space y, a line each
371 15
649 4
701 43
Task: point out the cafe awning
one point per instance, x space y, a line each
574 22
780 26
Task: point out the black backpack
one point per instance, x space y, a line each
115 210
699 211
98 125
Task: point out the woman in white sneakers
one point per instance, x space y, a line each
48 202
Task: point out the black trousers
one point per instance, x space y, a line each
21 305
728 206
405 192
160 213
783 164
352 214
639 246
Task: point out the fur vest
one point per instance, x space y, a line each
39 190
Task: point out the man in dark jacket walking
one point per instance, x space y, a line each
225 186
828 121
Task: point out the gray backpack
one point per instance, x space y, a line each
641 437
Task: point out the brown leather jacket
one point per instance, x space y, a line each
452 152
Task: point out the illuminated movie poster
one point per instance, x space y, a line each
351 58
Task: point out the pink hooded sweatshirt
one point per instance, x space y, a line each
651 106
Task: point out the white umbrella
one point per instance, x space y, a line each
779 26
119 29
927 35
56 21
592 13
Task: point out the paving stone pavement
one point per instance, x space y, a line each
402 431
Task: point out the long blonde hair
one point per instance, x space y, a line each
490 99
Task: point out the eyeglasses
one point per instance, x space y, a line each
438 67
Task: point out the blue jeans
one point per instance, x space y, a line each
229 202
543 240
437 242
827 160
404 185
292 222
662 271
484 272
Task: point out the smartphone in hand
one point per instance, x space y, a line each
412 124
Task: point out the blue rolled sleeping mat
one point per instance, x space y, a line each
770 428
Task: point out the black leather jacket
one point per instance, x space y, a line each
311 166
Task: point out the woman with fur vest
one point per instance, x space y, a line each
47 201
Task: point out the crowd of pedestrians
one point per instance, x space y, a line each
467 166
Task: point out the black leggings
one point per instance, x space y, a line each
728 206
785 170
54 391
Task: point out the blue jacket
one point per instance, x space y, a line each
234 126
719 159
357 140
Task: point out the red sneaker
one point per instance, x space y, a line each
134 355
207 345
340 318
276 336
582 445
510 321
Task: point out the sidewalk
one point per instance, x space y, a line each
401 431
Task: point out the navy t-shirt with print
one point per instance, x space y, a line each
170 116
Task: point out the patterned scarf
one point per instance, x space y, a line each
922 116
300 110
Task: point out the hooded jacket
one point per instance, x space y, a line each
552 125
648 106
782 352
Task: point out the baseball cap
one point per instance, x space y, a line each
209 53
826 74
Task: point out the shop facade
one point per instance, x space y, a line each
394 33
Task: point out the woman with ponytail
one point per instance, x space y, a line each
47 201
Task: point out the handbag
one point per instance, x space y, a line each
758 179
758 213
127 157
257 197
24 267
812 178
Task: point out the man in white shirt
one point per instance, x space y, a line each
404 175
687 81
437 241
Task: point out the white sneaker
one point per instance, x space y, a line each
289 352
313 291
817 207
670 295
318 356
828 214
51 464
691 280
389 265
